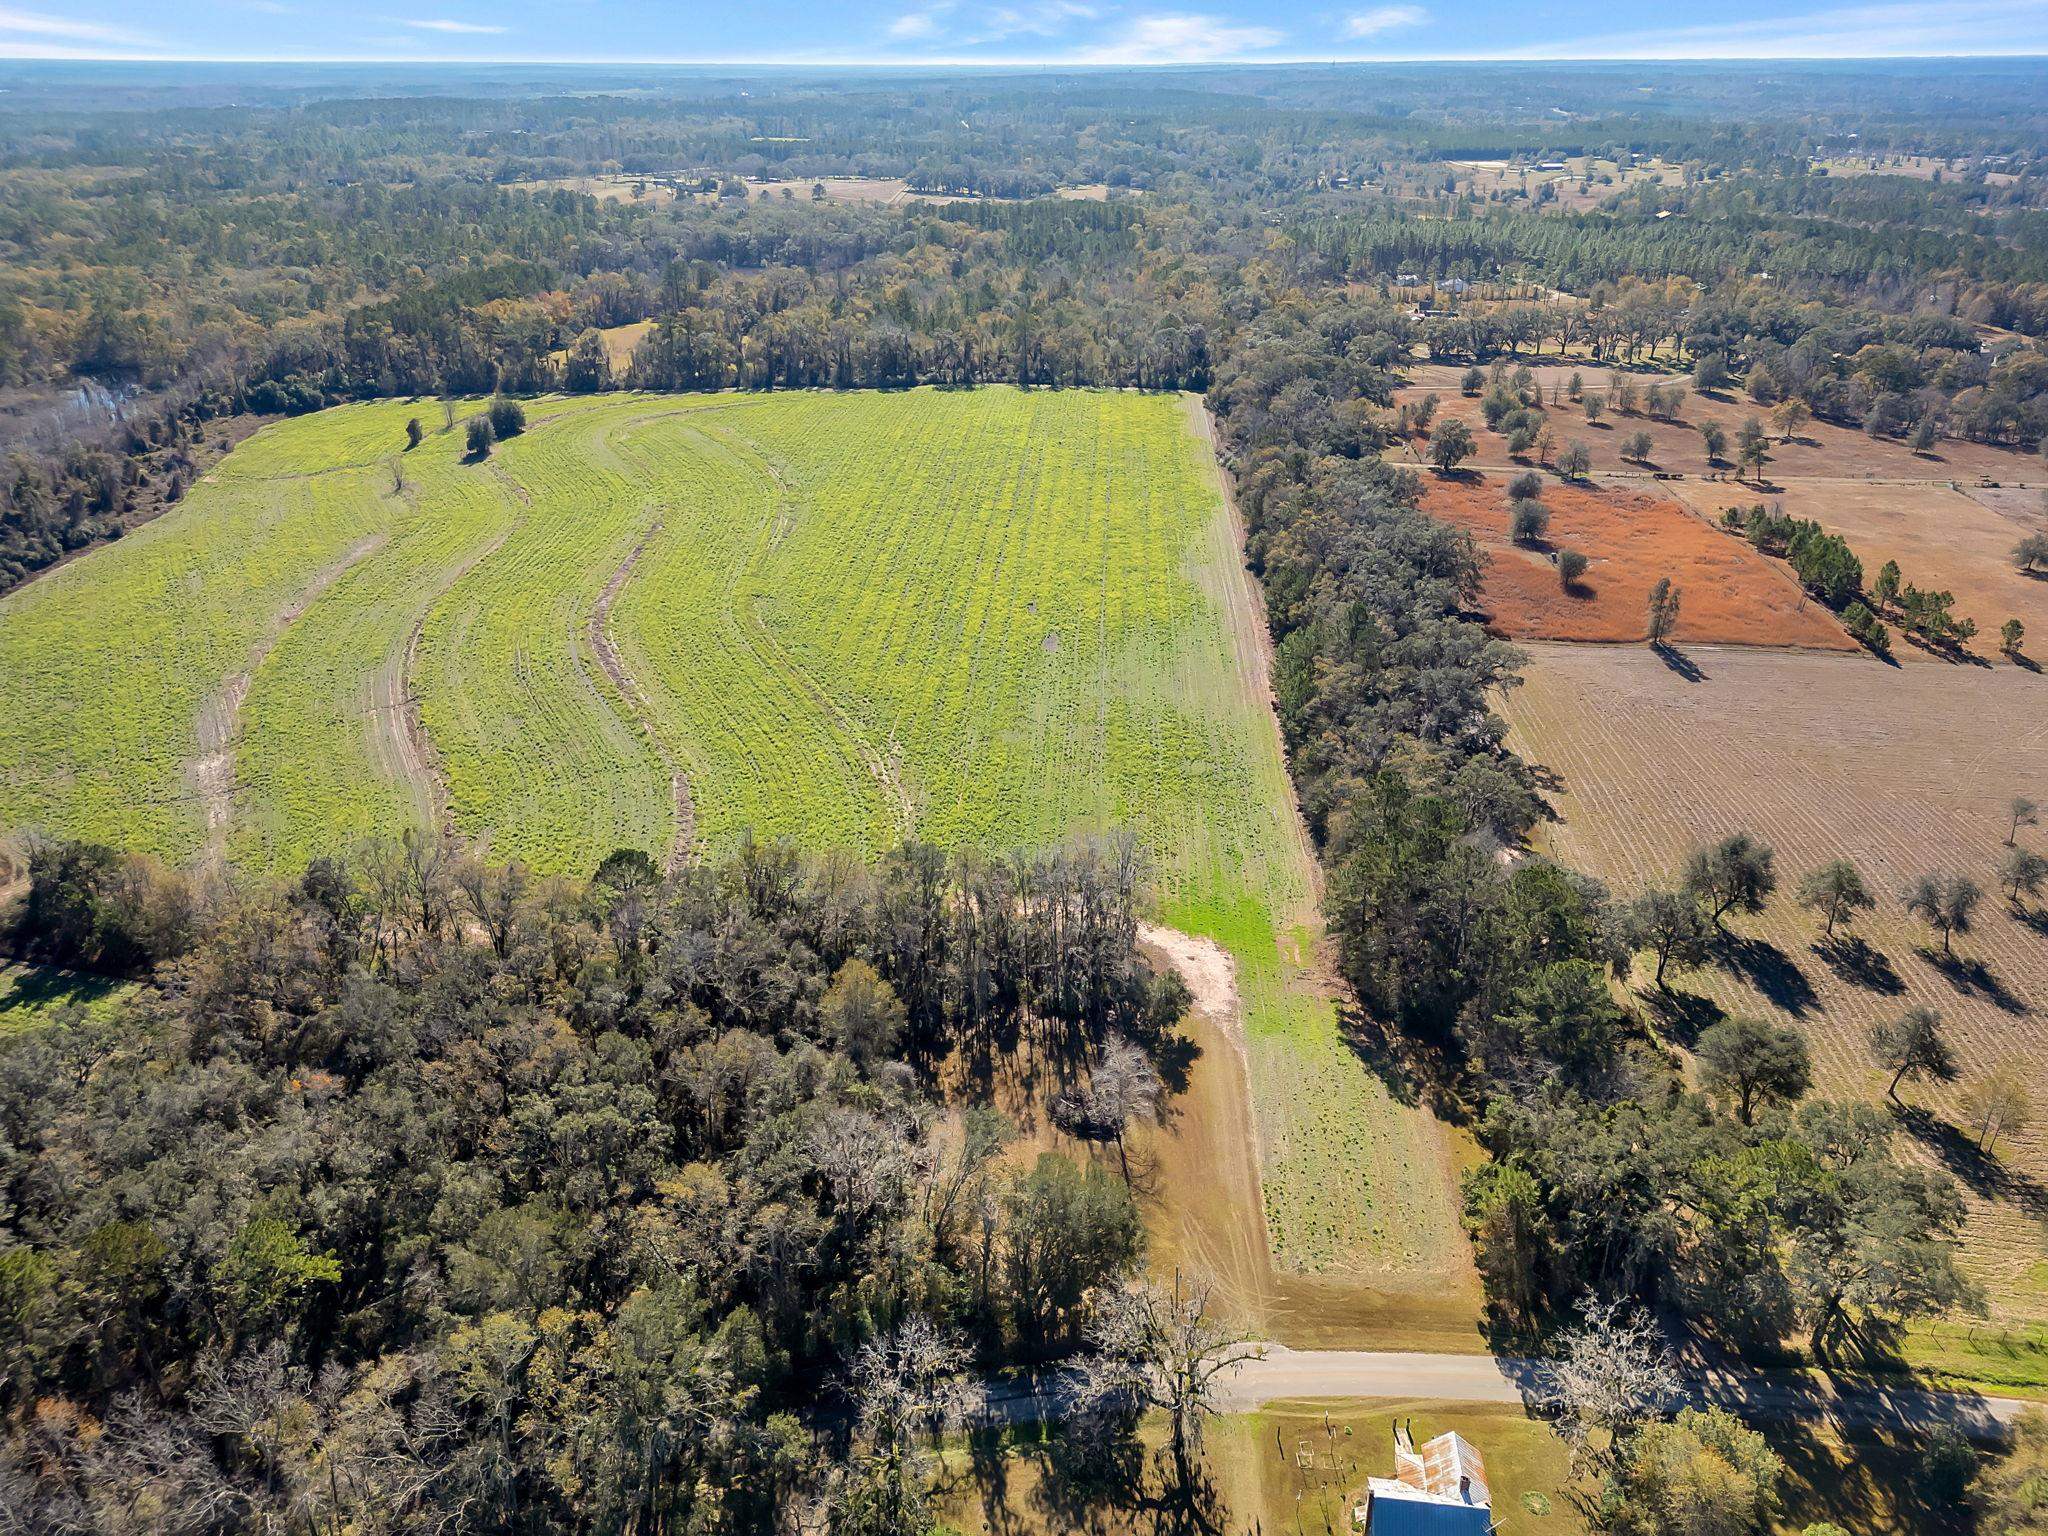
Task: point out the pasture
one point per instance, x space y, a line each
1945 538
33 996
1586 181
1902 770
990 618
1732 593
1818 450
1950 517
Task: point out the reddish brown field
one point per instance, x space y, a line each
1943 539
1903 770
1729 592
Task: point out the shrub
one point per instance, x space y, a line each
1571 565
508 417
480 437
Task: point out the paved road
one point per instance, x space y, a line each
1347 1373
1287 1372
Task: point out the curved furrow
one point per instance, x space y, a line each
615 668
758 749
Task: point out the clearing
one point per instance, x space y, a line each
1902 770
1577 183
1945 538
1731 593
1820 450
1950 517
32 996
992 617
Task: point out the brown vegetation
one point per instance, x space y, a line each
1731 593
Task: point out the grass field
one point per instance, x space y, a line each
989 617
1299 1467
32 996
1950 518
1945 538
1901 769
1290 1467
1821 450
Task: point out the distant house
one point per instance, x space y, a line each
1407 279
1439 1490
1454 285
1550 165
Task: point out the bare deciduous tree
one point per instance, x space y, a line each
1609 1376
905 1383
1124 1087
1161 1349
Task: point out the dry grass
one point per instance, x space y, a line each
1585 182
1900 769
1820 451
1291 1467
1300 1467
638 191
1917 167
1730 592
1959 540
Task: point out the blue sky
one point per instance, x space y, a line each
1005 31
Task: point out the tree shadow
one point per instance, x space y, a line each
2035 918
1951 651
1411 1073
2026 663
1864 1479
1861 964
1580 591
1680 1016
1769 969
1973 978
1099 1484
1986 1174
1678 661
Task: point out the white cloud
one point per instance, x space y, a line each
1855 31
33 24
464 27
915 24
1049 18
1181 39
1384 18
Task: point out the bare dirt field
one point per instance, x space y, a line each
1958 540
1730 593
1902 770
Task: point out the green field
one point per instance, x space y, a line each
986 617
33 996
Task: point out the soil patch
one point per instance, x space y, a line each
1729 593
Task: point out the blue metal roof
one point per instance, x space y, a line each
1426 1517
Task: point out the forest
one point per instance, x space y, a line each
428 1194
416 1191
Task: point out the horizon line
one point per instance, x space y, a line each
951 63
